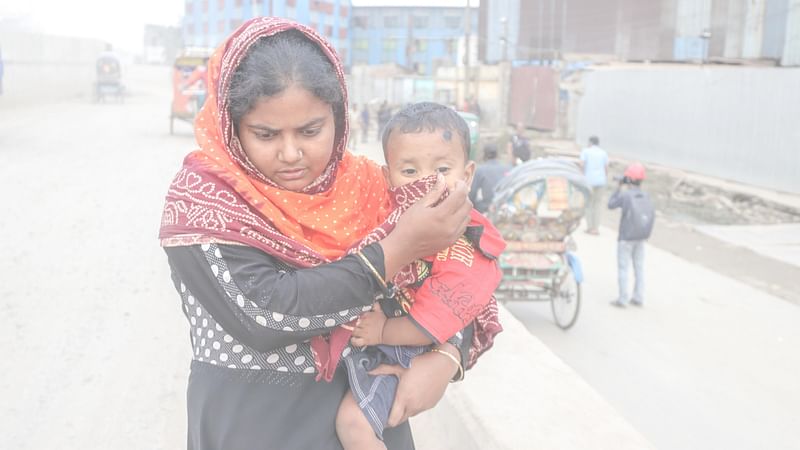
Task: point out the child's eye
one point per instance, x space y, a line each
408 172
443 170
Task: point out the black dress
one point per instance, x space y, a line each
252 383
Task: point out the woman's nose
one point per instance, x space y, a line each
291 152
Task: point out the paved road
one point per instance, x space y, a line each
709 362
92 335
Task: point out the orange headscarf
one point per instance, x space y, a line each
219 195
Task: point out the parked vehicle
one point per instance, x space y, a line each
189 85
536 207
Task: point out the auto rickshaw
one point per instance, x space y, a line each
189 81
109 78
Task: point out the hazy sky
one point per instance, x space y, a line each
123 22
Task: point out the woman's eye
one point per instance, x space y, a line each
265 136
311 132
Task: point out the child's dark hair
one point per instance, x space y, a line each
430 117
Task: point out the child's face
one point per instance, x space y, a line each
411 156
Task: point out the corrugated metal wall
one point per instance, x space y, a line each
791 48
737 123
533 97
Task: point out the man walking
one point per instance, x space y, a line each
594 161
635 227
487 175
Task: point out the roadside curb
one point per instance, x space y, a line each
520 395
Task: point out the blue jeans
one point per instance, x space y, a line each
628 251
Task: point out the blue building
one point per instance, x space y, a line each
207 22
420 38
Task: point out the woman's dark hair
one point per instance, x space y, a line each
273 64
427 116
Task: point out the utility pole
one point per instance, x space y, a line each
467 31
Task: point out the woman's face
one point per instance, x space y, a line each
289 137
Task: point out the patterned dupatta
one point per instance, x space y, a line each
219 195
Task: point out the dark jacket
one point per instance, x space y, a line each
486 178
638 213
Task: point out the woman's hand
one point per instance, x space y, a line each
422 385
427 226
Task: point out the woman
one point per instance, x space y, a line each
256 227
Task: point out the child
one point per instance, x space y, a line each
635 226
449 289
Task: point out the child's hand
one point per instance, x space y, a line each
369 327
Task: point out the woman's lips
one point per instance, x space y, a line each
291 174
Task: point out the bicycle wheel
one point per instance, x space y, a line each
566 301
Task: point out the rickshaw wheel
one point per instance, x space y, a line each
566 301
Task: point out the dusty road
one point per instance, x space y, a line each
93 338
710 362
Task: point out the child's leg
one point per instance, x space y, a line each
353 428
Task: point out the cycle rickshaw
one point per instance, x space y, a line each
536 207
108 83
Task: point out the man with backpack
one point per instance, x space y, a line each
635 227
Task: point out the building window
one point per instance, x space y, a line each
420 45
420 21
205 6
221 26
342 33
189 29
328 31
343 11
391 22
205 28
189 6
361 44
291 3
361 22
389 50
238 3
453 22
450 46
221 5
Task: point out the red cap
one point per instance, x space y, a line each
635 171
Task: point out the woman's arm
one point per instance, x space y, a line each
265 304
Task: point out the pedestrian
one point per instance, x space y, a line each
594 162
364 122
519 145
487 175
420 143
635 226
256 226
